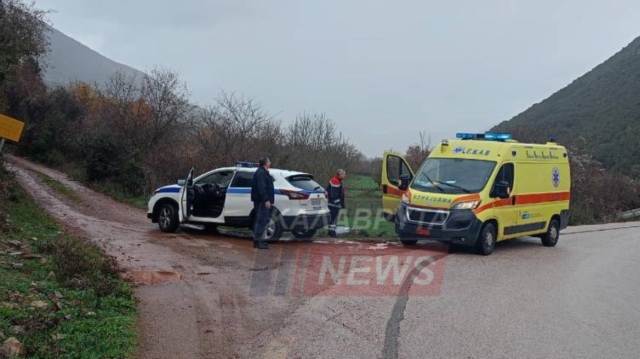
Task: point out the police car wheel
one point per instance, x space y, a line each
304 234
487 240
274 228
550 239
168 220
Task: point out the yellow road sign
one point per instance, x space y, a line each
10 128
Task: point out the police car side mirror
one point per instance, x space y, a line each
404 182
181 182
501 189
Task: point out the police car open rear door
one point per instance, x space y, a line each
184 210
394 166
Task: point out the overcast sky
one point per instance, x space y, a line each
382 70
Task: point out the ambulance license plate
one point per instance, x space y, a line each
423 231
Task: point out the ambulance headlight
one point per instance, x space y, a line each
467 205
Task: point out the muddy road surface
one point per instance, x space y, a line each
213 296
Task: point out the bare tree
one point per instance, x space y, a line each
120 113
419 152
236 129
314 144
425 142
167 99
149 116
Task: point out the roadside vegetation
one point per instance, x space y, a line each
60 296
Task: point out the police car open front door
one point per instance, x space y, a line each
394 166
186 197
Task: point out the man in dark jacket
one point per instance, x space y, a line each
336 199
262 196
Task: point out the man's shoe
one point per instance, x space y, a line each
260 245
332 234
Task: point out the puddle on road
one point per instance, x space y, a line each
152 277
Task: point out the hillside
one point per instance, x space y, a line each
69 60
598 112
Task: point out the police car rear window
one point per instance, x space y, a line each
243 180
305 183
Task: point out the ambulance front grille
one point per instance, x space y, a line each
427 216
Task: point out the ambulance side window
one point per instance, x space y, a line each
404 169
396 167
506 174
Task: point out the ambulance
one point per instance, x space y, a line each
479 189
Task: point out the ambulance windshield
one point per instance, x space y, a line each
453 175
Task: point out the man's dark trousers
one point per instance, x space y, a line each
262 218
334 211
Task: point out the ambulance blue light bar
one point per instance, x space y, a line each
484 136
497 136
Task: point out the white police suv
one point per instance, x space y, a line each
222 197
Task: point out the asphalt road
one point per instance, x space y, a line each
213 296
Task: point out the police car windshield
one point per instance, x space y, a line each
453 175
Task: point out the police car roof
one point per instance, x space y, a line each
283 172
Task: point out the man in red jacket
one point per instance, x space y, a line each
335 192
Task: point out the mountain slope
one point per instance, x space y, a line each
598 112
69 60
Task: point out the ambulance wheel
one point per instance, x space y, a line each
168 220
487 240
550 239
407 240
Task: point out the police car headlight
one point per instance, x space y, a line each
466 205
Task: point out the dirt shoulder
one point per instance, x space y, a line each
195 307
195 289
60 296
